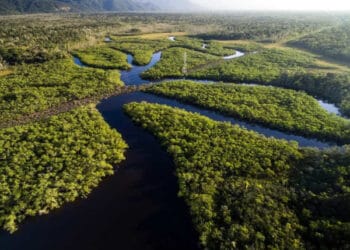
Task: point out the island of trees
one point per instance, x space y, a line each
46 164
248 191
275 107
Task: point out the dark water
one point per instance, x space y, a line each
138 207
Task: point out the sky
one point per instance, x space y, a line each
325 5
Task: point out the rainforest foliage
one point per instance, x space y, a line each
270 28
262 67
245 46
34 38
206 46
247 191
175 62
287 68
244 191
46 164
103 57
274 107
333 87
141 49
333 42
37 87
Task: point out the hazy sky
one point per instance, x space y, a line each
276 4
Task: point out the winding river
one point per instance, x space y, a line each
138 207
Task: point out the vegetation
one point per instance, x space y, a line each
278 108
286 68
36 38
269 28
44 165
141 49
102 57
262 67
37 87
333 42
39 38
245 46
322 184
246 191
212 47
176 62
332 87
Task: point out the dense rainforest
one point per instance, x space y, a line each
32 38
176 62
46 164
332 42
37 87
275 107
143 48
279 67
244 190
261 67
104 58
248 191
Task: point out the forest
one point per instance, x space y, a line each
283 109
103 58
288 68
34 38
46 164
143 48
172 63
37 87
246 191
261 67
333 42
243 190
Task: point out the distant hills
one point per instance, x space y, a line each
35 6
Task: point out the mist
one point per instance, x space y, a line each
290 5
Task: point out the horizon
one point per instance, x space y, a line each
274 5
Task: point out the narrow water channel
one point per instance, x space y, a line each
133 76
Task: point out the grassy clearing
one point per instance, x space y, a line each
6 72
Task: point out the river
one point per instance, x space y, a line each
138 207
